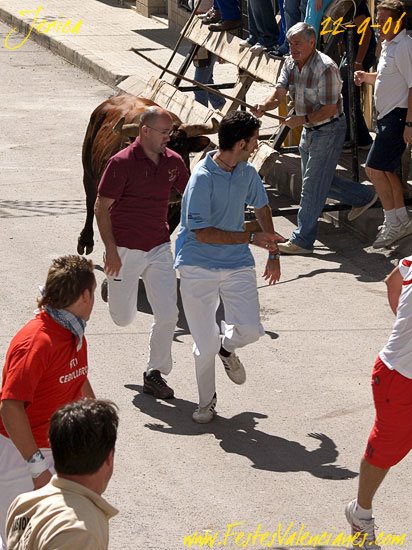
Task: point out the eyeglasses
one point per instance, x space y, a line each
162 132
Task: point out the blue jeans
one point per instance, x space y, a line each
320 150
204 75
229 9
295 11
263 27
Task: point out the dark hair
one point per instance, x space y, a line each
67 279
235 126
82 434
396 7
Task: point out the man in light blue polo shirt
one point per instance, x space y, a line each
214 259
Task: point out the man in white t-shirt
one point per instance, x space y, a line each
391 437
393 101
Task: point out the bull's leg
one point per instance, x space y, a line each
85 242
173 216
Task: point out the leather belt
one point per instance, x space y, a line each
325 123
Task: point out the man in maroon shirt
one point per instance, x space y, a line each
131 213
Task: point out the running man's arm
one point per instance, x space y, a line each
272 269
212 235
112 262
394 287
17 425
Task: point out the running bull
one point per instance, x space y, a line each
112 126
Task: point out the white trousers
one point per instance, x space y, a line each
201 291
15 479
156 269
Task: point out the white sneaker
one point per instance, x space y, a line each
257 49
357 211
244 44
291 248
407 228
389 234
365 528
234 368
203 415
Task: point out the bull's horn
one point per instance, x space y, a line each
193 130
117 128
128 130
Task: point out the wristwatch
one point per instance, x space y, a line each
36 457
408 123
274 256
37 464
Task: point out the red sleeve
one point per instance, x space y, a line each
113 180
25 365
183 177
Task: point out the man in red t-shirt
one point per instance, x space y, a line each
46 368
131 212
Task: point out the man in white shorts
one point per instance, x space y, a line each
131 212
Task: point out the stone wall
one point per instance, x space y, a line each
177 15
147 8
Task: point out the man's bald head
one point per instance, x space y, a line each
153 115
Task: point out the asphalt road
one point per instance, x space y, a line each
285 448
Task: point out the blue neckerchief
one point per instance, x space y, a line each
69 321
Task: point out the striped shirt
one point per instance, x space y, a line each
318 83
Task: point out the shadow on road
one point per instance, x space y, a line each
239 435
351 252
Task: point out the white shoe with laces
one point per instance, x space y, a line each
364 528
204 415
257 49
244 44
389 234
234 368
407 228
357 211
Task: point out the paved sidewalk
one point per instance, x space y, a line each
103 42
102 45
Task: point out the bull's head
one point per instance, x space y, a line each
185 138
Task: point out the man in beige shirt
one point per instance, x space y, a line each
69 511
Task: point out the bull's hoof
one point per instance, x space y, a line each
84 248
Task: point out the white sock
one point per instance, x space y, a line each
362 513
391 217
402 215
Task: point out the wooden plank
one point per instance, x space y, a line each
190 111
183 106
240 89
264 159
226 46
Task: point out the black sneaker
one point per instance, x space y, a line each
155 385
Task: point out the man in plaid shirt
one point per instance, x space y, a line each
314 83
